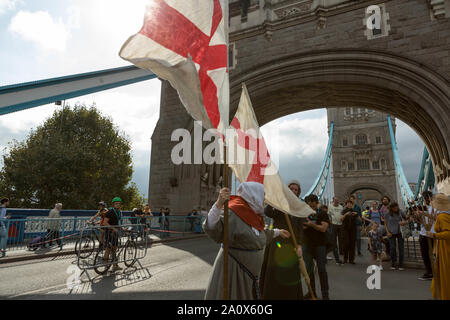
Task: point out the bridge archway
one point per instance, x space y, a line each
340 78
370 191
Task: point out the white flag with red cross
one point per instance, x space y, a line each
246 142
185 42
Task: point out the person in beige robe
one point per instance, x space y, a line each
246 245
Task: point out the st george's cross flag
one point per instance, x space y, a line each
185 42
259 167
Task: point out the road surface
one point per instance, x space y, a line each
180 270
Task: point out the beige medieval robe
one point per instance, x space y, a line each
248 248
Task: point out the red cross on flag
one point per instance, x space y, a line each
185 42
247 143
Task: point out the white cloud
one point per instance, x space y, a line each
40 27
9 5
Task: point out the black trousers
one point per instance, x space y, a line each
425 251
349 244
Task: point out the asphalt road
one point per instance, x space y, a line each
180 270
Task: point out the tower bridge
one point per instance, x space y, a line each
298 55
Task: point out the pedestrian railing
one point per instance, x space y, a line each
34 233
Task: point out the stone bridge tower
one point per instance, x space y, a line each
298 55
362 155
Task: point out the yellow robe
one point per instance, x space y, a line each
440 286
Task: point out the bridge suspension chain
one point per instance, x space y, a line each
405 189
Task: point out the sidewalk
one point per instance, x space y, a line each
69 249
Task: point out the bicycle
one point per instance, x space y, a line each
85 246
101 266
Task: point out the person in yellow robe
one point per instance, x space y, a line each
440 286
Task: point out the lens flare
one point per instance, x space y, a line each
278 245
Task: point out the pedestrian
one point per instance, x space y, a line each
102 210
335 211
3 226
393 220
247 238
280 272
384 210
440 287
348 218
358 224
54 225
162 222
375 243
426 243
167 222
314 245
192 218
138 218
113 220
148 217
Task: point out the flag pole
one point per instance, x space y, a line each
225 229
301 262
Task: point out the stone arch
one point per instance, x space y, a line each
378 80
368 186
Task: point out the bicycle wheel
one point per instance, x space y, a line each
130 253
101 265
84 247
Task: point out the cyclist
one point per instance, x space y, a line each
102 210
112 222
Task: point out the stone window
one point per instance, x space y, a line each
232 53
345 142
361 139
376 165
363 164
245 4
378 140
351 166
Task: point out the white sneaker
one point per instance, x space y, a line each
381 267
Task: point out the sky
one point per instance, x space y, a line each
50 38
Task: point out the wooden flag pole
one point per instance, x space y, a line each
225 230
300 259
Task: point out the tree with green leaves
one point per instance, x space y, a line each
77 157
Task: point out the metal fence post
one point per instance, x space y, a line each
62 237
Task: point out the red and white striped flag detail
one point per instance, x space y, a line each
249 144
185 42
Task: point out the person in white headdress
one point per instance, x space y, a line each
280 274
247 236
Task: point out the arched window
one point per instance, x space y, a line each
361 139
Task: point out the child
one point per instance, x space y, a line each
376 243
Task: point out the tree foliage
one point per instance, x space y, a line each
77 157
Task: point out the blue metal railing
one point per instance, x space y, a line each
21 230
